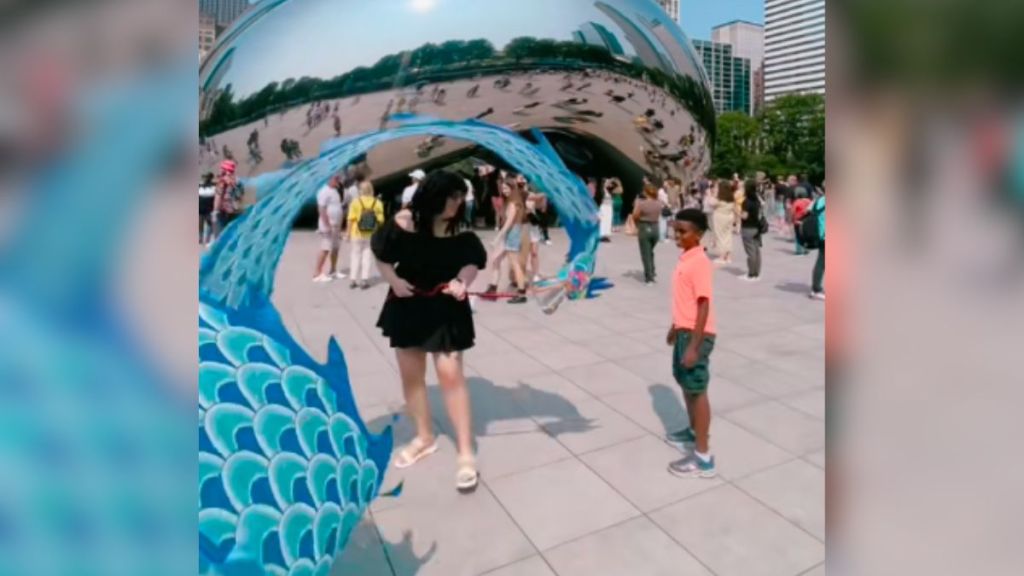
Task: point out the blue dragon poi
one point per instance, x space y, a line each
286 464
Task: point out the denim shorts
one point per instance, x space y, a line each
514 238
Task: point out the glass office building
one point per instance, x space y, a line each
730 77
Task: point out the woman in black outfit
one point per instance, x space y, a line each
751 229
418 252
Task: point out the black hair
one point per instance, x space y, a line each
750 188
431 197
696 217
208 179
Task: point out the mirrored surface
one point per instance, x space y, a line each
614 84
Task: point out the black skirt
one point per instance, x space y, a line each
434 324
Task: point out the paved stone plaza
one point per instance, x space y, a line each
570 411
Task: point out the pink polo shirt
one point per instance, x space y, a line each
690 281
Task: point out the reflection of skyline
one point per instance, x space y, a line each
645 49
341 35
597 35
683 63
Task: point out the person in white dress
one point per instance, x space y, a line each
605 212
663 221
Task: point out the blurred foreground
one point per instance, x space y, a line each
926 153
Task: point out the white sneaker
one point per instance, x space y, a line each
749 278
817 296
322 278
340 275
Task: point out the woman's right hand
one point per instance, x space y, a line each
402 289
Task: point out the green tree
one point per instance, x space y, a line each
793 134
735 144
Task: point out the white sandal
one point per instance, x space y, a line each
413 452
467 477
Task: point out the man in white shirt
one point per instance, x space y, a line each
410 191
329 218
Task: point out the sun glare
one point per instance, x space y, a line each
423 5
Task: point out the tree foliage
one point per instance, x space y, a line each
787 137
735 145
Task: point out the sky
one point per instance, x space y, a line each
699 16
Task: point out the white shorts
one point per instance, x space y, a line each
330 241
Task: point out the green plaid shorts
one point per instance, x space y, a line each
692 380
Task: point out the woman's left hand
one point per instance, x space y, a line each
456 289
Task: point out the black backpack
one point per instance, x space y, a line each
809 229
368 219
763 227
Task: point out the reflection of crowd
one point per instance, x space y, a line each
662 154
317 113
291 149
253 143
220 202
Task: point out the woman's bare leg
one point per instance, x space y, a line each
517 268
456 399
535 261
412 364
496 267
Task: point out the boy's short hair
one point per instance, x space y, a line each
696 217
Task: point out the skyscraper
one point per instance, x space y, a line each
747 41
223 12
794 58
730 77
207 35
672 7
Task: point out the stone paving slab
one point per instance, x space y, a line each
570 412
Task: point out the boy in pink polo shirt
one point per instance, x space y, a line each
693 337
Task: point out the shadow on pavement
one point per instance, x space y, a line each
735 271
497 410
794 287
494 405
402 557
637 275
367 554
668 406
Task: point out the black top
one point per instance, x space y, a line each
432 323
752 207
783 193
